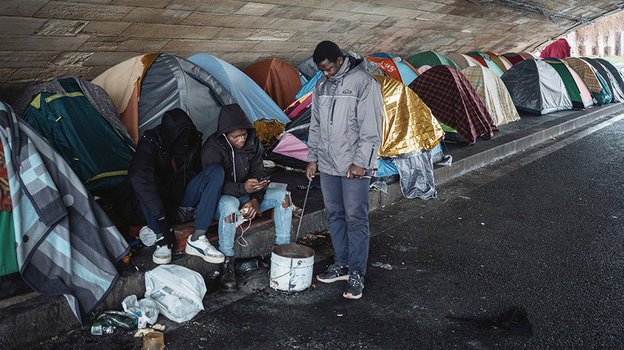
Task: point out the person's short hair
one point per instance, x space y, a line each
326 50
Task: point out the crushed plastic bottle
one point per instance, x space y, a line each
99 329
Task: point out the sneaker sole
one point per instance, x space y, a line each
332 280
161 261
351 296
211 259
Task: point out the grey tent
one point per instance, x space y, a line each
308 68
611 74
173 82
535 87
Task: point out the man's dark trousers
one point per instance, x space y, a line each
346 201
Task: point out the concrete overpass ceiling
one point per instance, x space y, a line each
42 40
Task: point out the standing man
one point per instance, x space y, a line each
345 134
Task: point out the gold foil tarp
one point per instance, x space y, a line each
408 124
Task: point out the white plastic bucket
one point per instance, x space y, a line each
291 267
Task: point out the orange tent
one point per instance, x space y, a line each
277 78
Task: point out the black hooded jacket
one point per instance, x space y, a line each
239 164
158 174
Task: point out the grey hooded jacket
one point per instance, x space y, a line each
345 127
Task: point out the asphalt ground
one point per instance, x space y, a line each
542 231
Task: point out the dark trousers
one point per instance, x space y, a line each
202 192
346 201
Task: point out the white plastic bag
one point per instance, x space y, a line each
177 290
146 306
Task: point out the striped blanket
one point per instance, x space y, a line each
65 242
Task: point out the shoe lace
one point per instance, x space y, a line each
354 280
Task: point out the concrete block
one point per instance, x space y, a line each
47 73
167 31
155 15
15 59
25 8
82 11
210 6
231 21
267 34
197 46
146 45
141 3
295 12
43 43
5 73
101 43
254 9
273 46
72 58
19 25
301 25
102 28
61 27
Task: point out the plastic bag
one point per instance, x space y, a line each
147 307
177 290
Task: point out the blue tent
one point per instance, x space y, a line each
252 99
309 85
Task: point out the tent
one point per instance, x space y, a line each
576 87
277 78
486 61
308 87
527 55
463 61
502 62
493 93
171 82
599 90
617 74
96 150
454 102
430 58
394 66
513 57
308 68
610 79
558 49
122 82
252 99
536 87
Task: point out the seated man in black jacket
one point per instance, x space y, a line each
167 177
236 148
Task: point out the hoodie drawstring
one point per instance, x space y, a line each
233 160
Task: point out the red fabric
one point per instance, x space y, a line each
558 49
514 58
296 109
454 102
5 193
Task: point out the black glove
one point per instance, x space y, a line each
167 231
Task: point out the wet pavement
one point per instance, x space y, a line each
542 230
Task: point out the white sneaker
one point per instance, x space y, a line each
162 255
147 236
202 248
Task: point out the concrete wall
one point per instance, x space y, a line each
42 40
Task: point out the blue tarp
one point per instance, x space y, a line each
309 85
252 99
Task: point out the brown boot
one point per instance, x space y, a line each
228 275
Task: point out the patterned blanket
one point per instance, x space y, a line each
65 242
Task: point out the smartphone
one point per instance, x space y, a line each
262 178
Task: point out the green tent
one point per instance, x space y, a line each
98 152
576 87
430 58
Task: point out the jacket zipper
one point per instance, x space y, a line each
233 160
370 159
331 117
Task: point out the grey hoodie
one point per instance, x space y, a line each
345 127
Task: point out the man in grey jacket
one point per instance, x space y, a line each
344 138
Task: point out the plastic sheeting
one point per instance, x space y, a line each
173 82
535 87
408 124
416 174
